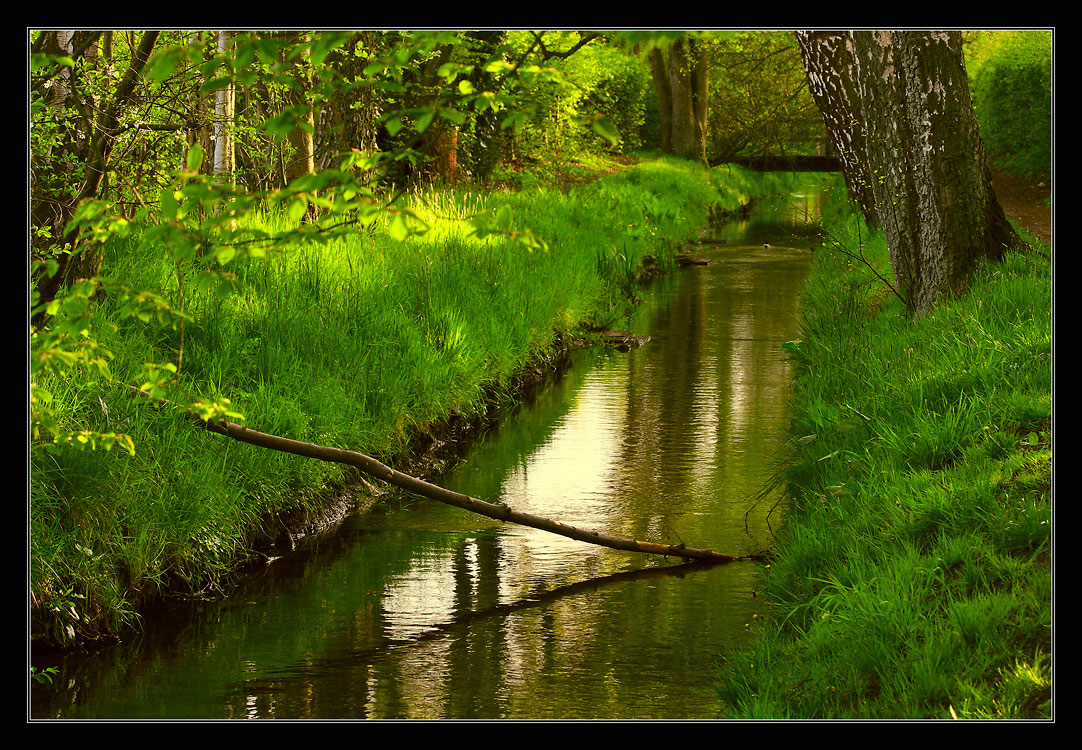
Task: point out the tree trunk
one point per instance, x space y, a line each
225 163
898 107
488 137
350 120
664 96
825 55
301 138
681 79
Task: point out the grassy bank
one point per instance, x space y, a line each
914 573
372 343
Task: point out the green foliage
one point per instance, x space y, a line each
759 99
1011 73
597 102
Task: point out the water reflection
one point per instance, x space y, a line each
426 611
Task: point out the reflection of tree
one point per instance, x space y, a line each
702 404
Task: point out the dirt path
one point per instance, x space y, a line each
1025 201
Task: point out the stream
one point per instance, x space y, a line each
417 610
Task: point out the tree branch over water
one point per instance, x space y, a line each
498 511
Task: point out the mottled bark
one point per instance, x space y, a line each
899 102
826 54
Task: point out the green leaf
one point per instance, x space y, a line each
425 120
216 84
503 218
297 208
169 204
453 115
398 229
195 157
164 64
393 124
606 130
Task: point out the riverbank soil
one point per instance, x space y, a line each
1026 200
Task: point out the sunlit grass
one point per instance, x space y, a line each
913 579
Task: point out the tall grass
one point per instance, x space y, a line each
365 343
913 578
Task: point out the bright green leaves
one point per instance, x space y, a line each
288 120
601 126
164 63
169 204
96 223
500 223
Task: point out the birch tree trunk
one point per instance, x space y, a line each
898 107
225 163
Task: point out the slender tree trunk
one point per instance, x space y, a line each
349 120
664 96
301 138
225 162
898 102
488 138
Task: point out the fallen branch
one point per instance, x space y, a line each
498 511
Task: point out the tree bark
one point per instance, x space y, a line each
898 107
681 79
301 138
664 96
225 162
825 54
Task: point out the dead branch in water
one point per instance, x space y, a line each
498 511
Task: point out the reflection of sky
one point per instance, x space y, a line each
580 475
569 476
743 370
613 460
420 599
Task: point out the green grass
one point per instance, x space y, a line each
366 343
913 577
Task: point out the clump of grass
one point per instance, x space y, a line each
913 579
